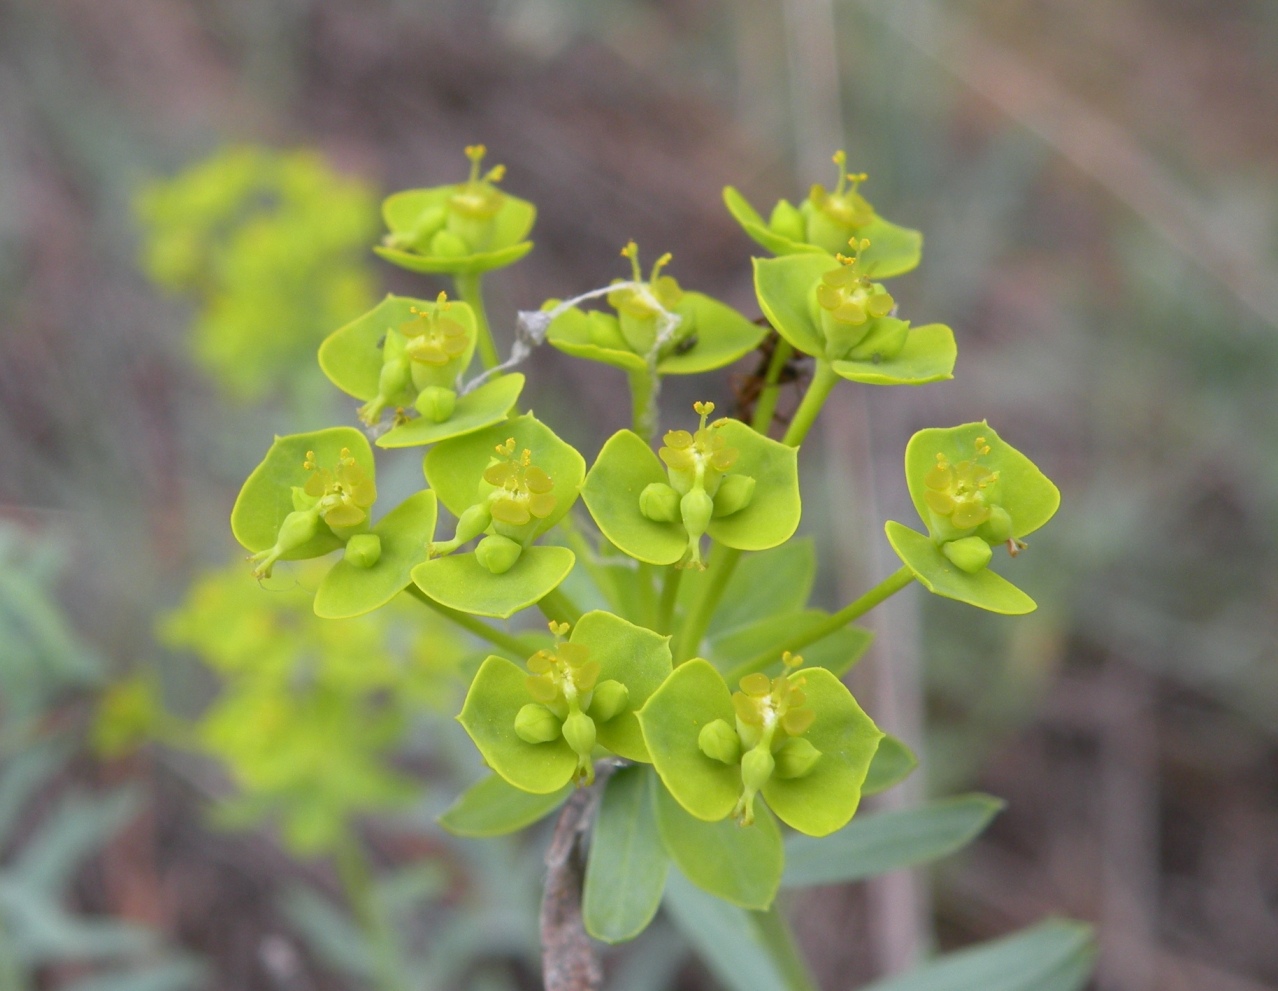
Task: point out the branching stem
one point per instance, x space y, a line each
822 382
471 624
470 287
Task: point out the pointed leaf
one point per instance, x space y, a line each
626 873
639 659
494 807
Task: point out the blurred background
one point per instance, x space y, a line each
203 787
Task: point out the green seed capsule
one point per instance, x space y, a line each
446 244
498 554
998 528
579 732
473 522
536 724
720 742
971 554
436 403
696 508
363 550
735 493
659 502
796 758
609 698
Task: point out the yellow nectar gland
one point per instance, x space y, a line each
769 712
563 674
344 493
684 452
524 491
844 204
961 491
434 339
848 294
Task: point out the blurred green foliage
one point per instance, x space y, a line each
312 711
271 248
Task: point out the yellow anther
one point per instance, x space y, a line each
506 449
840 158
558 629
791 661
525 459
661 263
476 152
496 174
703 409
441 301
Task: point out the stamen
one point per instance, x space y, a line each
476 155
631 251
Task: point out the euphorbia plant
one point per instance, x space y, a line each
679 699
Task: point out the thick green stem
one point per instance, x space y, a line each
556 606
766 406
778 940
357 880
822 382
646 607
643 406
722 564
669 598
469 623
853 610
470 287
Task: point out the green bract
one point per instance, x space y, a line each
799 739
539 728
465 228
312 494
724 480
826 221
829 308
709 334
973 491
507 485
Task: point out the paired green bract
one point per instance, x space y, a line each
462 229
973 491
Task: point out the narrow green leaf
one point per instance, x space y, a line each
493 807
1055 955
626 873
888 841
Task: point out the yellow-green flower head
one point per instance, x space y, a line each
642 303
478 198
771 718
342 494
523 492
843 205
964 493
564 673
848 300
702 456
433 338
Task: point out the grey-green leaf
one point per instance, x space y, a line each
1055 955
626 872
887 841
493 807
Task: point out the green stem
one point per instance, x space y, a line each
822 382
695 624
556 606
588 556
778 940
498 638
766 407
357 880
643 411
470 287
669 598
833 623
647 604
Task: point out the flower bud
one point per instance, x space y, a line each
735 493
796 758
363 550
787 221
536 724
446 244
696 508
498 554
659 502
436 403
609 698
971 554
720 742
